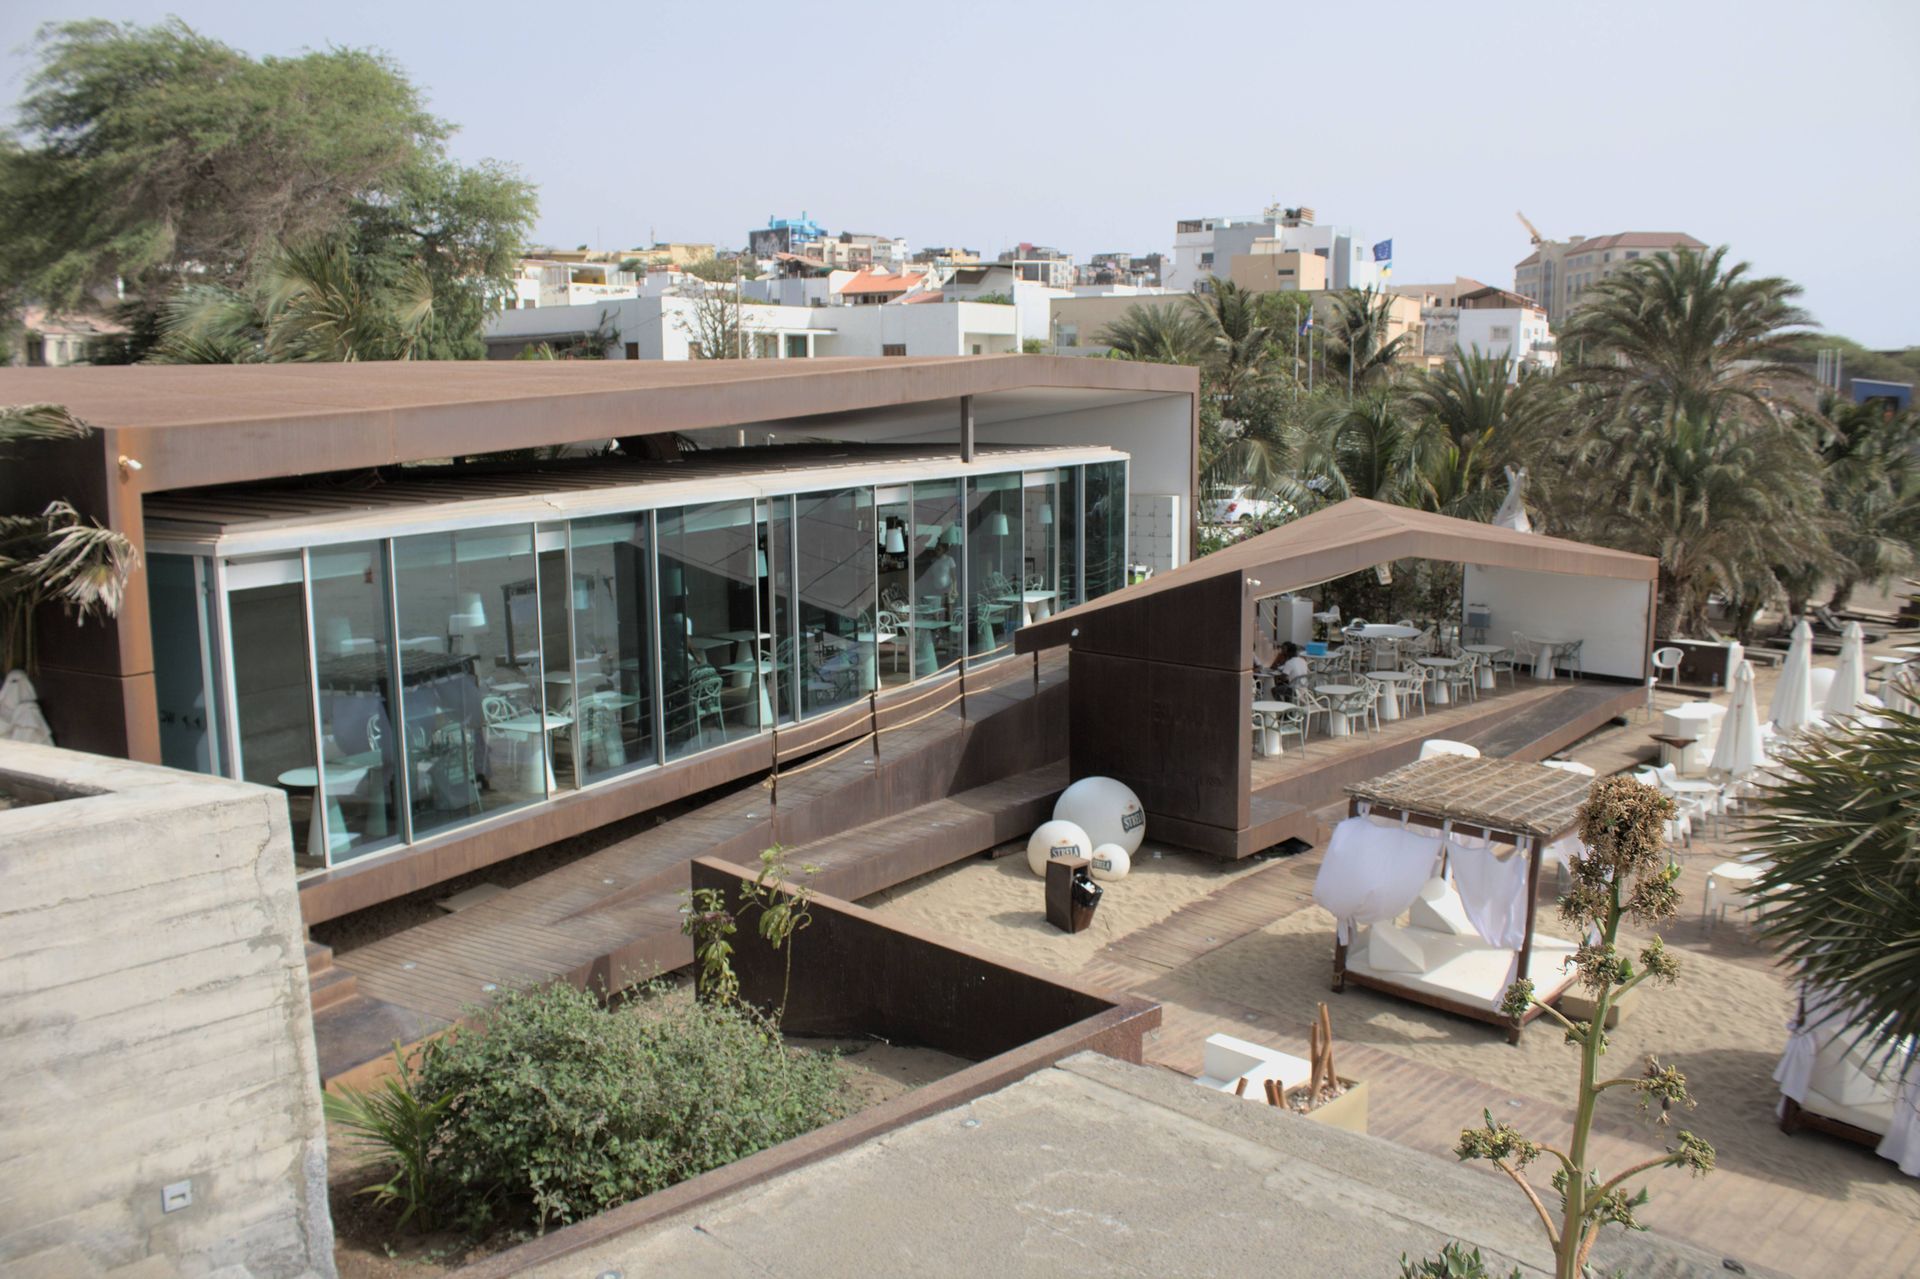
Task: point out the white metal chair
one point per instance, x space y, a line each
1311 704
1666 660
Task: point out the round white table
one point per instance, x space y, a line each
528 726
1486 652
1383 630
341 780
1270 736
1543 660
1337 720
1441 697
1390 682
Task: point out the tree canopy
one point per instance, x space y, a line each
157 157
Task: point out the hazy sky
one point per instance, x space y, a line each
1785 129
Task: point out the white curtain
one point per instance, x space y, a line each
1372 872
1810 1031
1493 889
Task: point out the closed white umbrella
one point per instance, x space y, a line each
1793 696
1740 750
1849 673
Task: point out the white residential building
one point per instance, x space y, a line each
1493 322
538 283
667 328
1205 247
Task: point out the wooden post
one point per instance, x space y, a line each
1526 941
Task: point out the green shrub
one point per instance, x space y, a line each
1454 1262
561 1109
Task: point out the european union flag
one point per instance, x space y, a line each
1383 251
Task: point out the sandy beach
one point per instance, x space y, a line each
1723 1023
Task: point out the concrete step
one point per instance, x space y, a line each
334 986
319 959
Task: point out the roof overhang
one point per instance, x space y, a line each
1351 537
195 426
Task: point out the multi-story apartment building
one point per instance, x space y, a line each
1040 264
1206 247
854 251
1557 272
1121 268
1486 320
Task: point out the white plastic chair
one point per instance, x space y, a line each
1665 661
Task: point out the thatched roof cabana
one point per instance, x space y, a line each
1504 801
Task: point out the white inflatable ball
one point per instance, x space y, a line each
1053 840
1110 861
1107 810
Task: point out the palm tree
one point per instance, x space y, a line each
1717 499
1686 334
1361 448
1240 352
1840 896
1357 346
309 303
1475 416
1162 334
54 556
1872 478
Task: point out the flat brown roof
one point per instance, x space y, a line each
192 425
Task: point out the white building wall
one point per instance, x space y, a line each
1609 615
1515 331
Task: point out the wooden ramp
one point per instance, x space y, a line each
613 916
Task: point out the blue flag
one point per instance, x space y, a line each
1307 323
1383 251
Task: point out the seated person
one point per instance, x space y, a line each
1293 669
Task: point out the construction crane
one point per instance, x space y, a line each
1532 230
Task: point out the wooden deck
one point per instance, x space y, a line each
1529 720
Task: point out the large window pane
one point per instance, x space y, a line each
273 695
1106 536
182 673
470 662
994 523
353 650
613 644
940 613
558 595
1040 588
899 612
840 642
777 603
710 639
1066 509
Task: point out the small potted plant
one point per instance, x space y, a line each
1328 1097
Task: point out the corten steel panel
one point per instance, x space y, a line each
850 973
1206 624
102 714
1171 733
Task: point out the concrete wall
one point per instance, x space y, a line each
1609 615
154 1027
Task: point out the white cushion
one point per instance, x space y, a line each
1391 949
1438 908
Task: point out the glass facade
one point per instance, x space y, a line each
402 687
